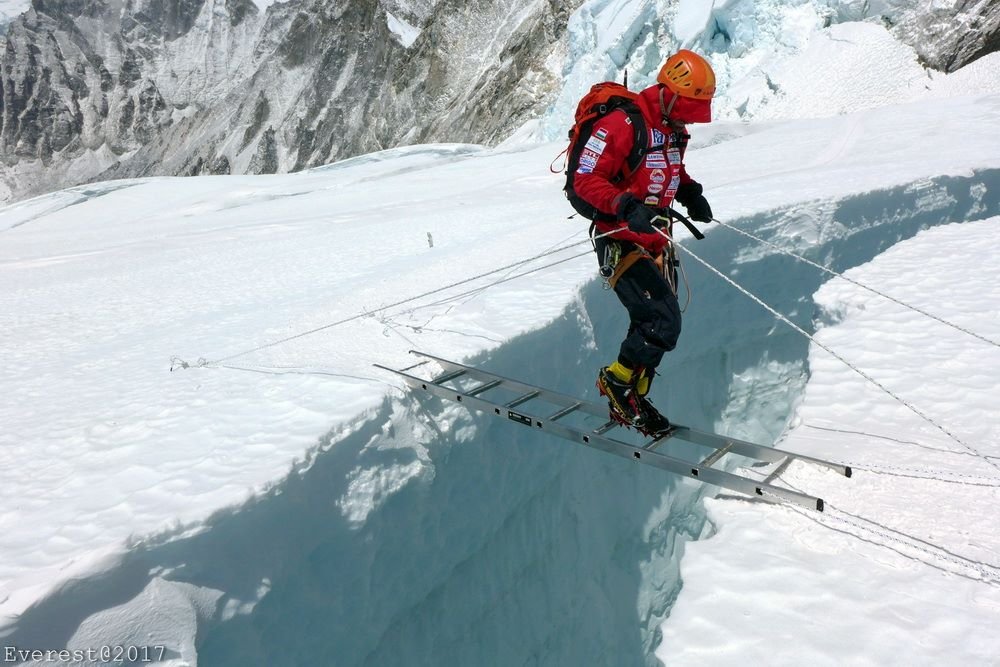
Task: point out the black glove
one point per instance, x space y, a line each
689 194
638 216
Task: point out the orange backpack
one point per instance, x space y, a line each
602 99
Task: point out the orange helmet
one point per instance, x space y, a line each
689 75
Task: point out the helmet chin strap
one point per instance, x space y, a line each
667 108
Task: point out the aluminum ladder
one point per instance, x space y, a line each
703 471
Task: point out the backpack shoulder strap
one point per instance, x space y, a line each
640 143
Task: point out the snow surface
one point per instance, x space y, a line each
691 20
121 276
106 451
10 9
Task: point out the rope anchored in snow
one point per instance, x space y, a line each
178 363
859 284
909 406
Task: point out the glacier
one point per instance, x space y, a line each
423 534
287 504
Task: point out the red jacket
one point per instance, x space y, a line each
656 180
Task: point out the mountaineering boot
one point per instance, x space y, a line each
653 423
622 398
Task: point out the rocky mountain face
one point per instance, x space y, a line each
949 35
98 89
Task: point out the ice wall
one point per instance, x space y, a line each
423 535
772 58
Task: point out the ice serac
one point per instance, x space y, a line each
97 90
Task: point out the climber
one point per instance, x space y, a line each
633 202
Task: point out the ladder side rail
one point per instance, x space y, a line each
717 442
754 451
554 397
707 439
697 472
707 475
713 440
694 471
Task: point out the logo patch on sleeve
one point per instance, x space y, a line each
588 159
601 133
597 145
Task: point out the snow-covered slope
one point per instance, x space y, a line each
405 529
902 569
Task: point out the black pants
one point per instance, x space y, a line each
654 314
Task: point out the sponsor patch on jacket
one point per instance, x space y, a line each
655 164
652 200
584 169
675 182
588 159
658 138
675 155
657 176
655 188
596 145
601 133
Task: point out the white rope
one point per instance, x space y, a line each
177 362
988 573
859 284
912 408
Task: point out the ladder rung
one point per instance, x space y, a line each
565 411
449 376
484 387
522 399
659 440
410 368
712 458
777 471
607 427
